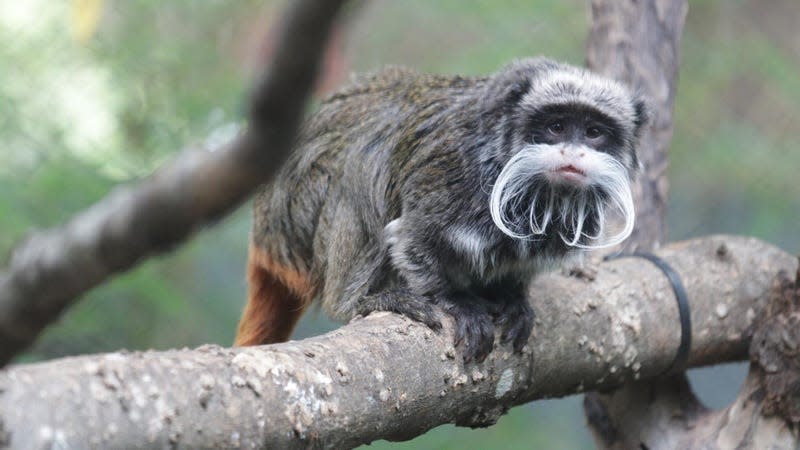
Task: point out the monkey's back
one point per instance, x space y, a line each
343 178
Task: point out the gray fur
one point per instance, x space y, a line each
385 202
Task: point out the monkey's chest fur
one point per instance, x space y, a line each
469 249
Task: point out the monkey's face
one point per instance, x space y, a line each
574 145
571 168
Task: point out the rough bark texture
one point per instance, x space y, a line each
765 415
597 328
52 269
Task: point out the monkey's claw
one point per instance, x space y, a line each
516 319
474 329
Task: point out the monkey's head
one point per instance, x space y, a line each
567 153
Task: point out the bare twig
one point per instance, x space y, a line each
52 269
388 377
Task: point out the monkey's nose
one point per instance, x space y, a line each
563 151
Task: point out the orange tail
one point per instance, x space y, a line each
275 301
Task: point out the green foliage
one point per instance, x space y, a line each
735 149
79 119
468 37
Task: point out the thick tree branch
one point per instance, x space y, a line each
388 377
766 413
53 268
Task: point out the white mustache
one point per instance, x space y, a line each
524 175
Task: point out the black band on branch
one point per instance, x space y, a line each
682 355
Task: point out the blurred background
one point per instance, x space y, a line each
95 93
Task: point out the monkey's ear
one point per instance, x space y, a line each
642 115
505 88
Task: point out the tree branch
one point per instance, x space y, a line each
765 414
388 377
52 269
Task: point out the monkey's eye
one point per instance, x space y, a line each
594 132
556 128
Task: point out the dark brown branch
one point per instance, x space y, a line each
52 269
388 377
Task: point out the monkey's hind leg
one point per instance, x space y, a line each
275 301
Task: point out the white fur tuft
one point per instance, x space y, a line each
534 168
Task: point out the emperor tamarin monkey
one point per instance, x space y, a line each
411 193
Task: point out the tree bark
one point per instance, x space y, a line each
596 329
50 270
766 413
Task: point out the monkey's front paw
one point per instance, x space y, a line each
516 319
474 328
402 301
